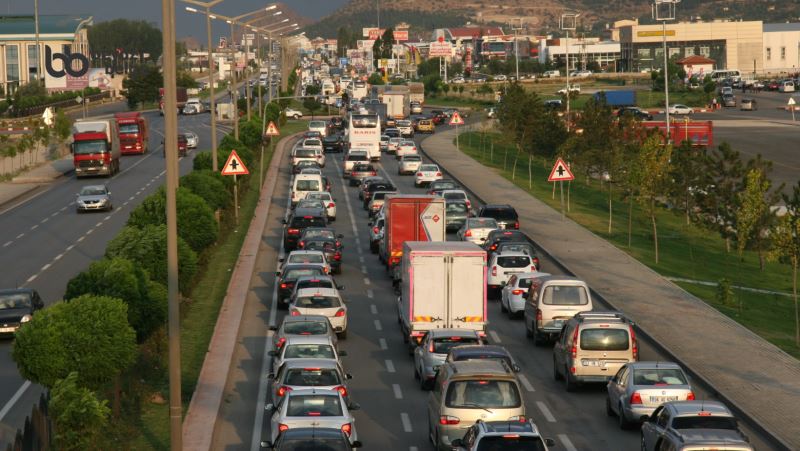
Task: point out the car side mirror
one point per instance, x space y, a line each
348 376
340 236
272 353
549 442
457 442
271 376
340 287
342 353
369 224
266 445
356 444
273 328
516 368
284 221
269 407
354 406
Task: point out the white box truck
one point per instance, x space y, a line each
443 285
397 104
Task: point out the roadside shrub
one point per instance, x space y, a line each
147 247
78 416
196 223
208 187
202 161
228 143
250 134
122 279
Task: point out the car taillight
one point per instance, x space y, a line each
282 427
634 345
517 292
492 247
533 268
448 420
331 205
636 398
301 244
375 230
280 342
293 231
419 174
339 313
438 174
347 428
342 390
574 350
690 396
516 225
494 270
295 313
468 233
337 256
536 261
282 390
284 286
373 173
430 348
469 205
539 315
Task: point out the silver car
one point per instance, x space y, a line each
192 141
432 351
409 164
308 373
94 197
687 425
302 326
639 387
312 408
375 233
475 230
306 347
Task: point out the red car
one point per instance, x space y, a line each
183 146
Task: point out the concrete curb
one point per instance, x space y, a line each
753 422
201 416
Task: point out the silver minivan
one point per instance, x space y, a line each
551 302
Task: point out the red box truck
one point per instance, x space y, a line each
410 218
133 133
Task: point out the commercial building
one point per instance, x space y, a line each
582 52
781 47
733 45
19 61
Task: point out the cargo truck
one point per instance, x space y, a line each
397 104
95 148
618 98
410 218
417 92
699 133
133 132
443 285
180 95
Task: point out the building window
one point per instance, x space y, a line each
769 53
12 63
705 50
644 54
33 61
783 53
674 51
688 51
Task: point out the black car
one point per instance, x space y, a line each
481 352
519 246
504 214
16 307
304 164
333 253
438 186
288 276
392 132
496 236
376 186
302 439
636 112
333 143
300 219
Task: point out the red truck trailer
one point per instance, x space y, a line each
410 218
95 148
133 132
700 133
180 95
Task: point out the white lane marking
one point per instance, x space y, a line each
81 239
495 337
58 257
45 220
45 267
413 448
35 226
382 342
125 203
99 224
370 294
361 259
63 208
7 243
398 393
131 198
366 281
525 382
88 232
55 213
373 309
546 412
107 218
567 442
69 248
31 278
20 236
406 422
18 394
378 325
364 270
390 366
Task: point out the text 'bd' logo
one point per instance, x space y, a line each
66 63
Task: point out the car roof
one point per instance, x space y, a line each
313 391
469 369
322 291
690 408
290 266
310 363
652 365
561 279
497 206
304 318
306 211
305 252
309 339
313 432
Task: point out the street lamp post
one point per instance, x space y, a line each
569 22
664 10
516 45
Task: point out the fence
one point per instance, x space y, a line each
37 433
38 110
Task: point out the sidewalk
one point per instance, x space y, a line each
34 178
750 374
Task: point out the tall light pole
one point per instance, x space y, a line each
171 160
664 10
260 30
516 45
569 22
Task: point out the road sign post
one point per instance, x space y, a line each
561 173
271 131
456 120
234 166
791 104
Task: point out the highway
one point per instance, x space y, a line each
46 243
393 414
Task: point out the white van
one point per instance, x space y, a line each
306 153
354 157
304 184
194 102
551 74
786 86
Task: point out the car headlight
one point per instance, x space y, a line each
25 319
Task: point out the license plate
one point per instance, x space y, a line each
596 363
6 330
663 399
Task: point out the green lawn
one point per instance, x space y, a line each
688 252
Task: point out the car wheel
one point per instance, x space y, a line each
343 334
373 247
624 424
296 116
503 305
609 410
643 443
556 375
569 384
537 339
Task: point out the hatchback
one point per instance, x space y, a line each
360 172
748 105
409 164
327 199
394 144
482 352
502 266
406 148
17 306
306 347
308 373
321 301
433 349
505 215
515 292
312 407
316 438
94 197
302 326
456 214
427 173
455 194
289 275
306 257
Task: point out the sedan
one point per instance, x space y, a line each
406 148
192 141
306 257
94 197
680 109
292 113
308 373
729 101
409 164
432 351
427 173
394 144
456 214
514 293
327 199
384 143
312 408
321 301
482 352
639 387
360 172
475 230
302 326
289 275
17 307
748 105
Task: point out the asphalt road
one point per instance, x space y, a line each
46 243
393 414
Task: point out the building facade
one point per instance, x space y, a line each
781 47
581 52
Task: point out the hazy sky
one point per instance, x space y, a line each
150 10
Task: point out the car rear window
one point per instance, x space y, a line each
307 221
379 196
309 351
604 339
357 157
320 245
565 295
428 168
658 376
311 377
483 223
411 158
456 207
305 153
455 195
314 406
319 234
300 272
312 142
524 283
515 247
307 185
14 301
314 283
317 302
442 345
500 213
305 328
514 261
480 394
705 422
511 442
306 258
363 168
444 185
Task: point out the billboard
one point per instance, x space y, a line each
372 33
443 48
401 35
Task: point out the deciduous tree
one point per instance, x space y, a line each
786 247
78 416
653 167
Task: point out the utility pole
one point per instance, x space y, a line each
211 83
234 89
664 10
569 22
516 45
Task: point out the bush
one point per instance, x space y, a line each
208 187
78 416
196 223
122 279
147 247
250 134
202 161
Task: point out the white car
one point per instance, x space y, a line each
455 194
307 258
475 230
680 109
406 129
427 173
384 144
581 73
318 126
457 80
406 148
500 77
504 265
310 408
514 293
328 200
321 301
575 89
292 113
409 164
393 144
316 144
192 140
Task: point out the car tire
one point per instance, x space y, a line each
296 116
416 372
503 306
609 410
642 443
569 384
624 424
556 375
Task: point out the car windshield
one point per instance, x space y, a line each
314 406
500 213
658 376
305 258
93 191
305 328
565 295
515 261
705 422
309 351
524 248
14 301
477 223
128 128
300 272
479 394
604 339
442 345
511 442
327 234
428 168
307 185
89 147
317 302
311 377
456 208
411 158
316 124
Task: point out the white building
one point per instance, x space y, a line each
781 47
581 52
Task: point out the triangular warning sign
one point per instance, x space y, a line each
234 165
272 129
560 172
455 119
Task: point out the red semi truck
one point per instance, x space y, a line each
180 95
410 218
133 133
95 148
700 133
